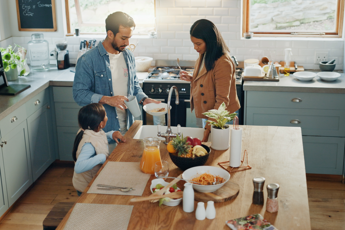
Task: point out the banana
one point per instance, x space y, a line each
199 151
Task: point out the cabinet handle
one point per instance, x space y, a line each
13 119
4 142
296 100
186 100
37 102
48 106
295 121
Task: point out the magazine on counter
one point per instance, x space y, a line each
255 221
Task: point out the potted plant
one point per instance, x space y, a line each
220 132
13 60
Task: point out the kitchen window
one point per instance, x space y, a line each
293 18
89 15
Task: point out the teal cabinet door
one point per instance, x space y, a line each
17 167
3 194
324 155
40 140
66 136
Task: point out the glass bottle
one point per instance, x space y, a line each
258 195
288 54
151 155
188 198
38 51
272 200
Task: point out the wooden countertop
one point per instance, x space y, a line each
275 153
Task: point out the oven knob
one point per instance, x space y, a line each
160 90
167 91
152 90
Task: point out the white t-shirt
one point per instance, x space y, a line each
119 73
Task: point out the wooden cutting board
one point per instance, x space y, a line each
229 191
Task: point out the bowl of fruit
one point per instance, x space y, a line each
158 184
187 152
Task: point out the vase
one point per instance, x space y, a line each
12 74
220 138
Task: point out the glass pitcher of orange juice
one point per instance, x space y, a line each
151 155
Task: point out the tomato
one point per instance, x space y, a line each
171 189
153 189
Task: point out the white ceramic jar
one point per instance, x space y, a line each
210 210
200 212
188 198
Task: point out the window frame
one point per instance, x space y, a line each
337 34
80 21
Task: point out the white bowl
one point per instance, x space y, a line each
191 173
172 202
304 76
149 107
143 63
328 76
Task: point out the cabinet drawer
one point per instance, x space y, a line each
312 121
67 114
12 120
37 102
324 155
295 100
63 94
66 136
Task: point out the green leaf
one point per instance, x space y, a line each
5 64
174 186
22 72
13 66
7 69
159 186
7 56
161 200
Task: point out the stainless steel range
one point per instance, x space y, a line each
165 75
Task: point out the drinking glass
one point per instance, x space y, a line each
161 169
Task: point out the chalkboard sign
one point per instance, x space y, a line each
36 15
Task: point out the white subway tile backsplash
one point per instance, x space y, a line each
146 42
162 12
205 11
190 57
316 44
305 52
175 42
18 40
300 44
162 27
214 19
182 19
190 11
175 56
186 27
165 3
198 3
187 42
234 28
182 50
252 43
213 3
231 3
160 56
167 34
182 35
182 3
229 19
160 42
335 52
229 35
283 44
168 50
166 19
234 12
175 27
195 18
335 44
221 11
223 27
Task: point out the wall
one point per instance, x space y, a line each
174 19
5 27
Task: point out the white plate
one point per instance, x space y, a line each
172 202
304 76
328 76
149 107
191 173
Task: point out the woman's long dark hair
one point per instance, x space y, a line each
89 117
215 45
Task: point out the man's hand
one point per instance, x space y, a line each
150 100
185 76
117 135
206 134
115 101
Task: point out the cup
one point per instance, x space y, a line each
133 106
161 169
76 32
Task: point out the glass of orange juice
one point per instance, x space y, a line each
151 155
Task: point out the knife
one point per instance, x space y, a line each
170 195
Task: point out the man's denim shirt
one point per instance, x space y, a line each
93 80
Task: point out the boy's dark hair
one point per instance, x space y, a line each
215 45
89 117
117 19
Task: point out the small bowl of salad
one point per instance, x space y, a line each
157 184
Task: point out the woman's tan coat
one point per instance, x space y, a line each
210 89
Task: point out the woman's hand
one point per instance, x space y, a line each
185 76
117 135
206 134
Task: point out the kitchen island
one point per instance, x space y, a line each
275 153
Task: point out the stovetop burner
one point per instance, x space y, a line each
168 72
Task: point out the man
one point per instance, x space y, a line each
106 74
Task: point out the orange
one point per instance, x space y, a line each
170 147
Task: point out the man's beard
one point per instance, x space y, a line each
114 45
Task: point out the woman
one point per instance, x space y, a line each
213 80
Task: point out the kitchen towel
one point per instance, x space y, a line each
123 174
235 148
99 216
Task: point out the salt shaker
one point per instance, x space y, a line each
200 212
210 210
188 198
258 195
272 200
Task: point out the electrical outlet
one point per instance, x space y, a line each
319 57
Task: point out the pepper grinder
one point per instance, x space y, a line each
200 212
258 195
272 200
210 210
